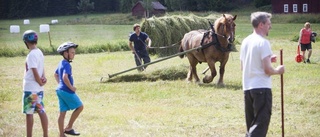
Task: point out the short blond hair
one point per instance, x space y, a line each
307 24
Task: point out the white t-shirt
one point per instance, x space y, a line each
254 49
35 59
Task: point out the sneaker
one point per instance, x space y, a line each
308 61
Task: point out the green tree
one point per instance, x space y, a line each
85 6
175 5
126 5
27 8
4 8
103 6
260 3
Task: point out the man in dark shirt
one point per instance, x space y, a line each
140 47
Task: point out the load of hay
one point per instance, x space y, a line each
167 31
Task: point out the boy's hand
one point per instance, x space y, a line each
43 81
73 89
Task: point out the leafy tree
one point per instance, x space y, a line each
53 5
103 6
126 5
260 3
27 8
70 7
85 6
175 5
4 8
147 6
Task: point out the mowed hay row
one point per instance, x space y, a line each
167 31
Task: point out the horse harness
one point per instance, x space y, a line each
215 42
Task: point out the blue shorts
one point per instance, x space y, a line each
32 102
68 101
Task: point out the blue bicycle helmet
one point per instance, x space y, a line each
30 36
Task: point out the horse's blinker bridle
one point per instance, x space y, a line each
215 40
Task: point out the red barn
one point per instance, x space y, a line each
295 6
156 8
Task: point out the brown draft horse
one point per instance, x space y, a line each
216 44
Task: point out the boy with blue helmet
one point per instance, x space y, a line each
33 82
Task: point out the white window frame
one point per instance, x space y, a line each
295 8
305 8
285 8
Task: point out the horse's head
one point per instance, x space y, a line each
225 27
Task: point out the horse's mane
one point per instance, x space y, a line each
221 21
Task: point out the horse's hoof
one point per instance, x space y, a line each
205 79
188 81
221 85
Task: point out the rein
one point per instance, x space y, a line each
164 47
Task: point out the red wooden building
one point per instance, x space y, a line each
295 6
156 9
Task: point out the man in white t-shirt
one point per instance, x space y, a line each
256 57
33 82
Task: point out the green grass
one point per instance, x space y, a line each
161 107
96 33
107 36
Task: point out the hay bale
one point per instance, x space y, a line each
44 28
14 29
168 30
26 21
54 21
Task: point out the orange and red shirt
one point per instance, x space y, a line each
305 36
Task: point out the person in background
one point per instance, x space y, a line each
33 82
305 41
140 47
66 91
255 59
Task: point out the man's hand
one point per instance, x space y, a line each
273 58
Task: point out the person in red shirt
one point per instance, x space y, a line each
305 41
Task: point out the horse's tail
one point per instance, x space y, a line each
181 49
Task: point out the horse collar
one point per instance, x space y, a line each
215 41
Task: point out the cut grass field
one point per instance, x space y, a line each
166 107
163 108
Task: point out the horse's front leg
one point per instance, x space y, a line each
221 72
208 79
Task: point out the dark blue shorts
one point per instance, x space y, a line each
305 47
